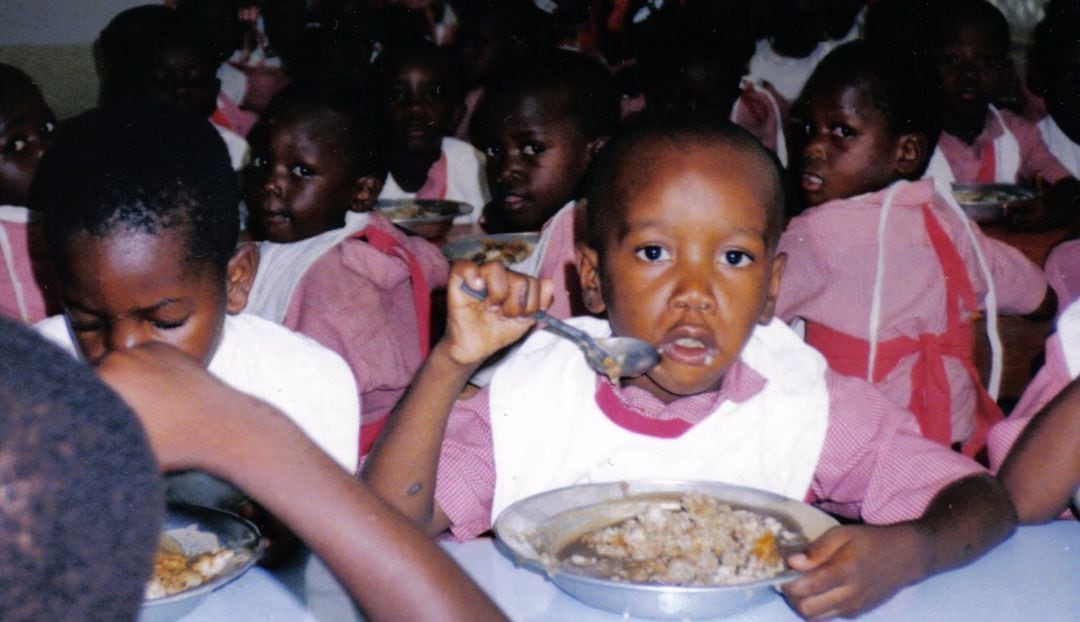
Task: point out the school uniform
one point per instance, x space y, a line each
306 381
1062 269
1060 145
364 291
781 421
759 112
787 74
1062 366
458 175
28 289
898 282
1009 149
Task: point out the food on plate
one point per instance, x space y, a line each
508 251
990 194
409 209
693 540
175 571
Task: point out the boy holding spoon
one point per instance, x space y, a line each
684 217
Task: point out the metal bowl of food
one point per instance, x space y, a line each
989 202
201 550
509 248
571 535
423 217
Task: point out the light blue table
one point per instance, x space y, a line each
1032 577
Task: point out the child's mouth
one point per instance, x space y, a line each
688 351
811 182
513 201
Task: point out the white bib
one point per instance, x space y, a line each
1006 157
1058 142
466 180
1068 329
781 141
281 266
548 431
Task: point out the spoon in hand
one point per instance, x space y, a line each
615 357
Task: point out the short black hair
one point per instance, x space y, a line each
634 147
139 169
951 14
15 85
441 59
83 500
903 86
581 83
123 51
364 150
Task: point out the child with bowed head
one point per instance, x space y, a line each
540 129
980 143
421 89
889 274
683 222
141 224
27 285
331 268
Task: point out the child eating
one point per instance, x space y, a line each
888 276
141 223
27 288
683 219
421 89
330 268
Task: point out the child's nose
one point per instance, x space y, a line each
510 168
272 185
125 335
693 291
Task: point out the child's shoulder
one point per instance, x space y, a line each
249 336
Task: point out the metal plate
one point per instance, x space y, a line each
423 217
988 202
468 248
532 530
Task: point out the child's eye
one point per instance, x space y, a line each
493 152
433 95
533 149
301 170
48 127
16 145
84 326
163 325
258 162
652 252
842 131
738 259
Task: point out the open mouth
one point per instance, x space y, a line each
812 183
513 201
689 349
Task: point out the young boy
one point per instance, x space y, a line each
684 218
540 128
421 90
27 286
140 221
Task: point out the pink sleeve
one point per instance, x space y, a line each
806 272
1051 380
875 464
559 263
1063 272
465 485
1035 156
1019 284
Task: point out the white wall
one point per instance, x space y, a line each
57 22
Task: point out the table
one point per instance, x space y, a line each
1030 577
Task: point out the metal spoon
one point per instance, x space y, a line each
615 357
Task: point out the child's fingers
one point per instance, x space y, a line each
820 550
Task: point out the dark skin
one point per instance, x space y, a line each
422 108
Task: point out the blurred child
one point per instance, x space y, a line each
795 43
140 222
1054 74
683 219
421 89
330 268
889 275
980 143
28 289
82 502
540 128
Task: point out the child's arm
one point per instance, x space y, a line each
194 420
1042 471
851 569
403 464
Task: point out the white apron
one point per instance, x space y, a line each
1006 157
1064 149
1068 329
548 431
20 216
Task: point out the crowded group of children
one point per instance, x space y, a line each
809 278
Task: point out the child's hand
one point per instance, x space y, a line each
476 329
853 568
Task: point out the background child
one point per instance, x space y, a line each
330 268
980 143
83 502
683 223
27 285
420 87
540 128
887 276
141 224
1054 74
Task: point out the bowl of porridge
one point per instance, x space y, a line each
661 549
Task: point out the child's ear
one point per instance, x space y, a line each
365 193
240 275
776 270
589 270
911 154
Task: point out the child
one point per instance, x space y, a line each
27 286
886 274
683 223
980 143
1035 448
540 128
1053 74
421 93
330 268
82 501
140 221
